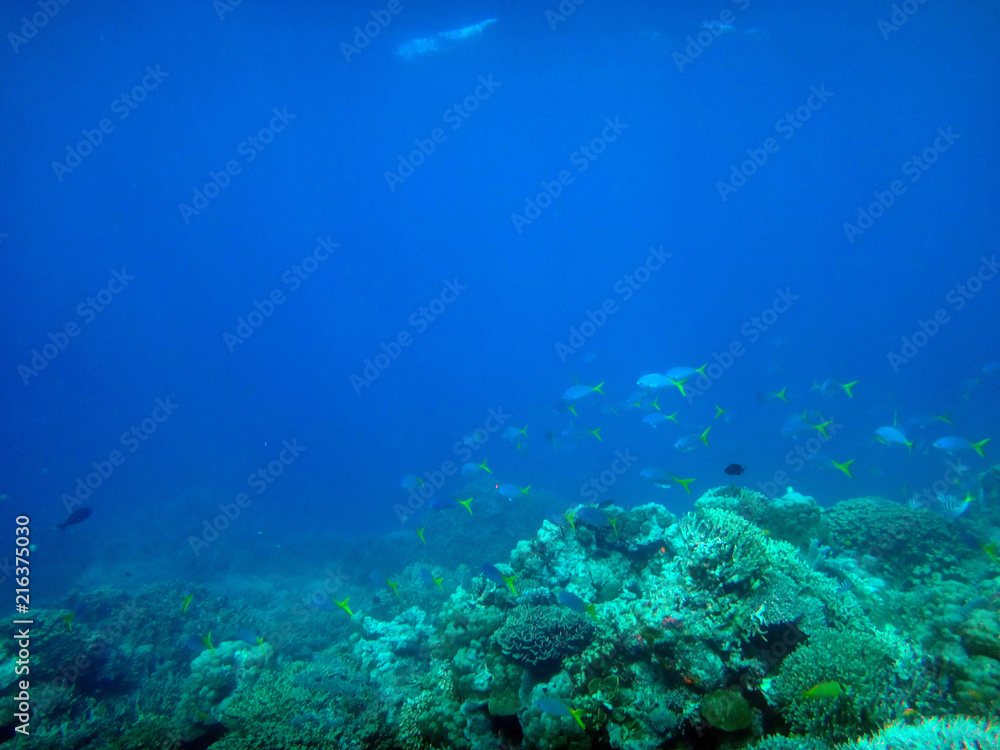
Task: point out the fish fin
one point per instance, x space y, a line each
979 447
683 482
845 467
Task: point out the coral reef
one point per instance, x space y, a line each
895 540
955 733
876 673
771 624
540 637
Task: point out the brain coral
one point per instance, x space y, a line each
542 636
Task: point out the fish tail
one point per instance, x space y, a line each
598 388
845 467
979 447
847 388
704 435
683 482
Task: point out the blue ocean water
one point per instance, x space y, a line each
252 240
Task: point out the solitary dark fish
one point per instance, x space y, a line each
735 469
77 516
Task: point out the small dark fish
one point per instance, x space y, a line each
735 470
77 516
602 505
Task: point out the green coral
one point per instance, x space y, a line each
769 582
302 706
863 663
778 742
900 538
215 676
953 733
465 621
539 637
792 517
504 685
470 675
739 500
